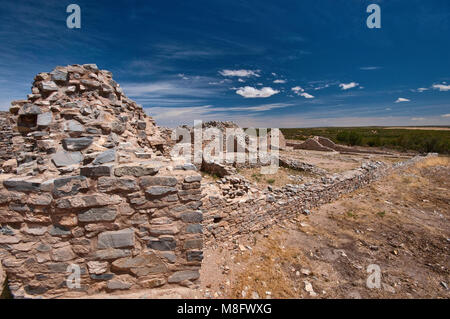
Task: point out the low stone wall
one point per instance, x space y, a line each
125 227
225 221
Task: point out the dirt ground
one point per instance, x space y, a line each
400 224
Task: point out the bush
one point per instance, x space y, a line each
354 138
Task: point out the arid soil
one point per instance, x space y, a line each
400 223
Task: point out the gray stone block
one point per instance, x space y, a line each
158 181
116 239
96 171
77 144
192 217
44 119
160 190
98 214
105 157
184 275
64 158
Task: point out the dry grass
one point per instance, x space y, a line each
271 273
279 179
434 161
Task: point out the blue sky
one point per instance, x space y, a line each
298 63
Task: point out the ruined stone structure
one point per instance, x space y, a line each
88 189
250 210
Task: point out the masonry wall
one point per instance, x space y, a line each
224 220
126 227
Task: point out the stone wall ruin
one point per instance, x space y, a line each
88 186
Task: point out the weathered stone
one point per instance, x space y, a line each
30 109
141 265
158 181
43 248
73 127
163 243
123 282
194 228
98 214
97 267
116 239
152 282
35 231
63 254
9 239
170 256
69 186
136 171
48 87
157 230
101 276
196 243
22 184
96 171
35 289
59 75
87 201
58 230
192 217
39 200
91 67
64 158
193 178
118 128
77 144
160 190
57 267
23 246
194 255
111 253
113 184
105 157
44 119
184 275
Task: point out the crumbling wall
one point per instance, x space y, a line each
227 220
6 137
92 195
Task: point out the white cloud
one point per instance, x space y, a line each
301 92
251 92
401 99
388 109
306 95
297 89
241 80
422 90
441 87
279 81
418 119
347 86
445 115
240 73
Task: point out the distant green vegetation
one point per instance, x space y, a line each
423 141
